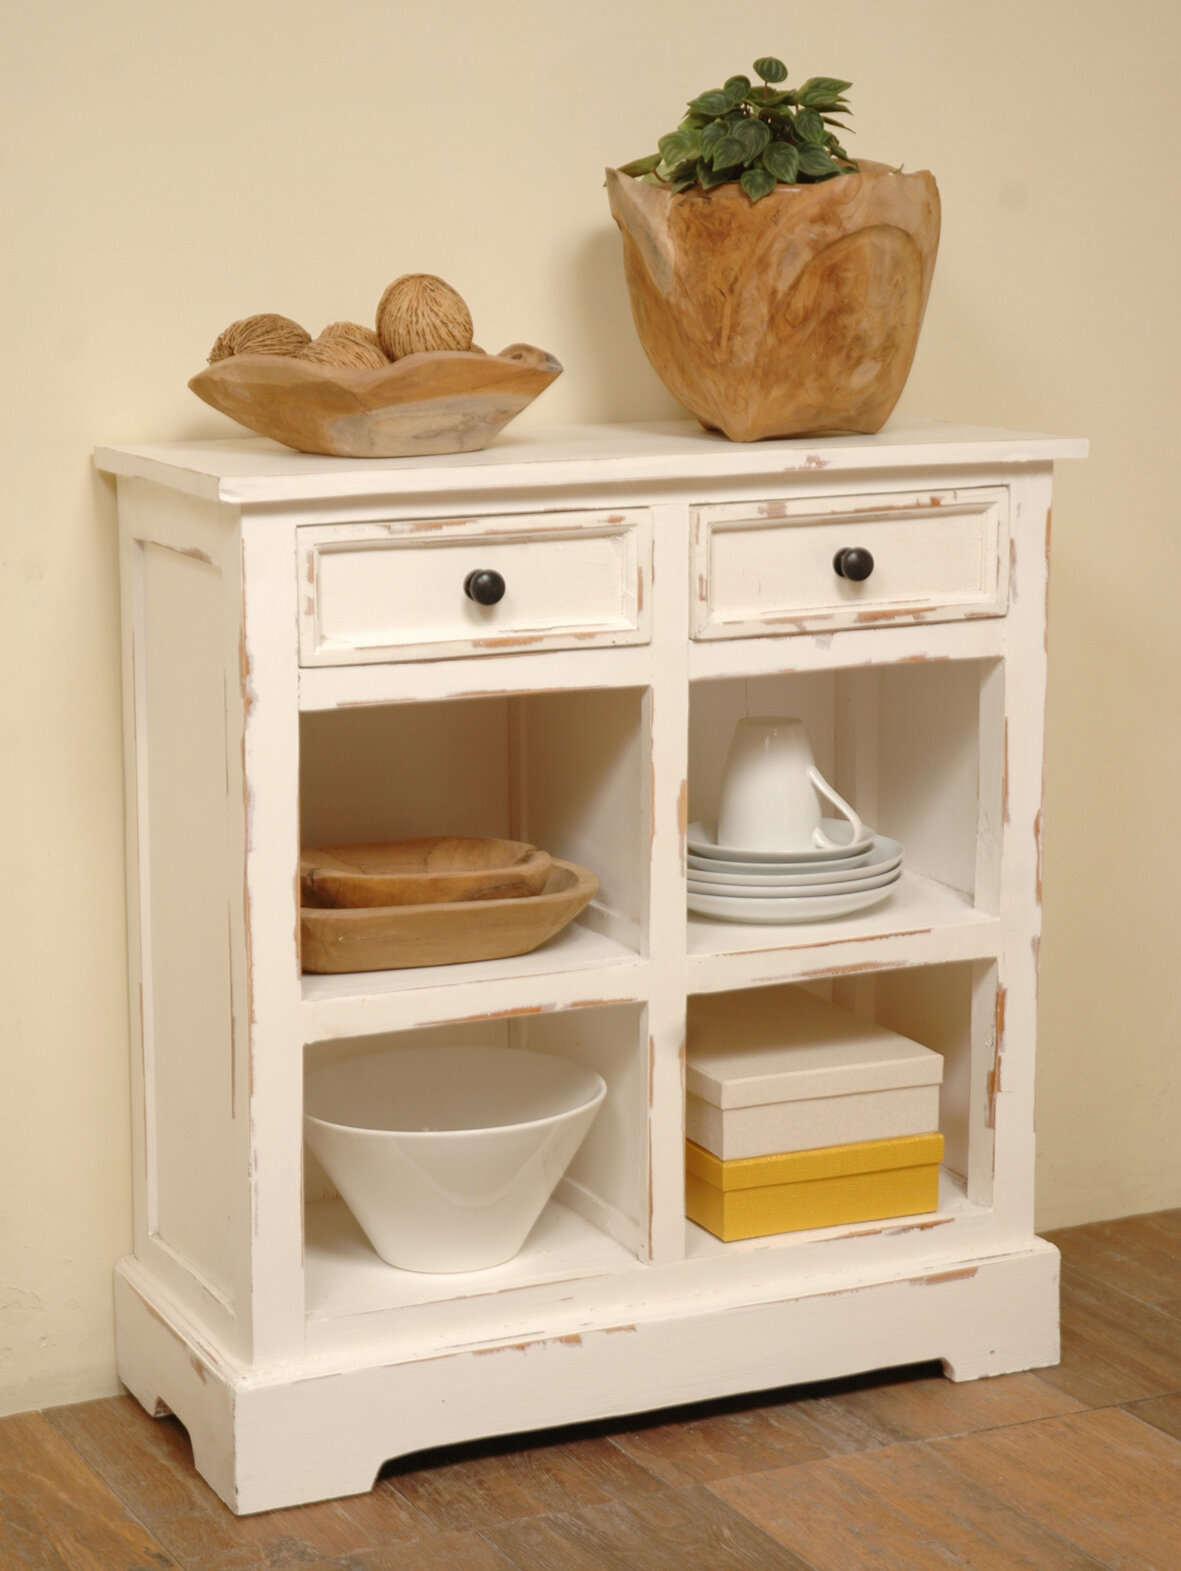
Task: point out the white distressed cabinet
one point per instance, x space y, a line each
303 666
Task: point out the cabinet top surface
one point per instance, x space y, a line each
256 471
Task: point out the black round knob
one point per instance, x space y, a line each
484 586
853 562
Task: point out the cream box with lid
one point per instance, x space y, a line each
778 1069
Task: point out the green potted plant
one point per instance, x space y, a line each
777 286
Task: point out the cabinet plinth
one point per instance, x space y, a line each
305 665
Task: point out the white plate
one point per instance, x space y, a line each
885 855
719 864
782 911
847 886
703 840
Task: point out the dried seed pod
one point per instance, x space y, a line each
260 335
346 344
419 313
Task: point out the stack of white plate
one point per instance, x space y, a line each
740 885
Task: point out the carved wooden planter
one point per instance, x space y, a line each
792 316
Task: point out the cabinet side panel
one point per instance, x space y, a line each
934 1006
188 1037
583 786
929 770
607 1180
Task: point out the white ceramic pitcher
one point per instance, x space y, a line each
772 792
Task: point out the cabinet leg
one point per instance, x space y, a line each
1021 1331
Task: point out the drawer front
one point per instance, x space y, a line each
378 592
767 567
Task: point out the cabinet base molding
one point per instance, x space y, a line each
288 1434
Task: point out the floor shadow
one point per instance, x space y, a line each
636 1423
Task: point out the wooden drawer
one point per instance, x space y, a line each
767 567
395 591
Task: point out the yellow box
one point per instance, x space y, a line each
864 1181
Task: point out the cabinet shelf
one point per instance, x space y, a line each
923 923
345 1277
348 1285
577 966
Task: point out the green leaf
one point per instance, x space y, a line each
728 152
715 132
711 104
770 69
815 162
640 166
767 98
783 161
819 91
752 136
678 146
736 88
810 126
709 178
693 123
757 183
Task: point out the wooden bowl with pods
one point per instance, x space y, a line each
440 401
412 385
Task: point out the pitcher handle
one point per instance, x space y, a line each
842 807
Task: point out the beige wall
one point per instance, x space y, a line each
168 168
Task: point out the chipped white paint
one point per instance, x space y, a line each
298 1361
766 567
394 591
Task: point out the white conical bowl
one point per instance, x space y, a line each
447 1155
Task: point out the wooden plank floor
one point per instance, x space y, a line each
1070 1469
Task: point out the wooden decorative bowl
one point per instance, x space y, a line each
795 315
421 872
389 938
447 401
